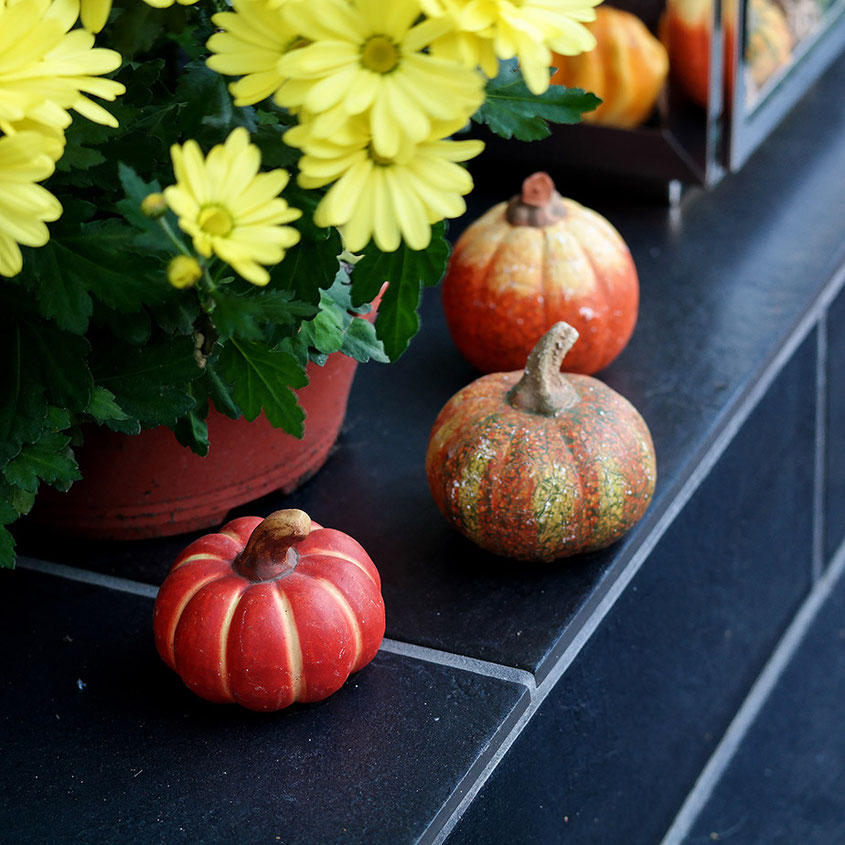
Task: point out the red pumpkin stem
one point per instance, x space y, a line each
538 205
269 553
543 389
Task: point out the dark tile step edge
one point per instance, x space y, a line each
659 517
626 566
511 724
633 557
755 700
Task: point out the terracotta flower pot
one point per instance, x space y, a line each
151 486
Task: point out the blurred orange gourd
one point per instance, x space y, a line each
627 69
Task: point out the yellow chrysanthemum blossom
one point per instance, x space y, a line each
367 57
46 67
387 199
24 205
253 39
525 29
229 208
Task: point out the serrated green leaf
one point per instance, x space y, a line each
261 379
7 549
191 431
325 332
21 501
219 392
58 419
406 271
61 358
49 460
311 264
23 402
102 405
151 385
244 315
510 110
76 157
361 342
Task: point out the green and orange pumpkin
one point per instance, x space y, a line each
528 263
538 465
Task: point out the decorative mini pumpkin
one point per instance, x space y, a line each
627 69
268 612
685 30
540 465
528 263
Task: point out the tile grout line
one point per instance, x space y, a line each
87 576
431 655
458 661
755 700
744 408
820 471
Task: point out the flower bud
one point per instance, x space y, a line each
154 206
183 271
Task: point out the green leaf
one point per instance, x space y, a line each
325 332
76 157
261 378
49 460
62 360
361 343
192 431
23 401
7 549
512 111
406 271
244 315
218 390
102 406
151 385
311 264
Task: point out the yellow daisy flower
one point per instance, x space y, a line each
387 199
525 29
367 57
48 67
24 206
253 39
229 208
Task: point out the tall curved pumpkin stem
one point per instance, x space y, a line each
543 389
269 553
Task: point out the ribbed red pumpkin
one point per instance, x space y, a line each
525 265
268 612
540 465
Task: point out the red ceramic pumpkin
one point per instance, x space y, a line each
540 465
528 263
268 612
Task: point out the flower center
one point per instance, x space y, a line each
215 220
380 160
380 54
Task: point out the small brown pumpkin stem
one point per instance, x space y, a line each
269 553
538 205
543 389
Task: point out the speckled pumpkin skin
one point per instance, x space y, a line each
507 285
532 487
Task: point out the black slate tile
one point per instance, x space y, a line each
619 741
101 742
786 782
834 520
722 283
